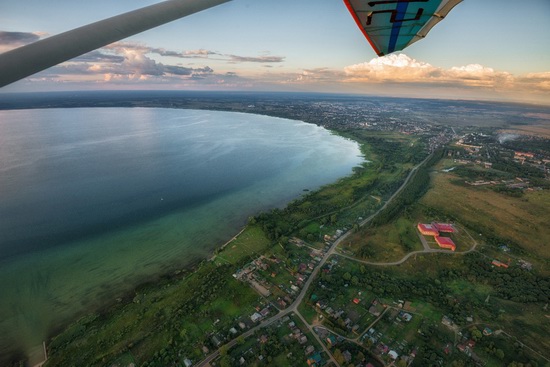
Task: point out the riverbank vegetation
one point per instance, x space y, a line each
469 290
450 301
184 316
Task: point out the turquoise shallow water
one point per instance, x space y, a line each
95 201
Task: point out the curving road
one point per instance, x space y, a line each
406 257
293 308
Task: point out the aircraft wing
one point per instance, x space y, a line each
27 60
392 25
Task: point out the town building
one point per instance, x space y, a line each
427 229
444 227
446 243
499 264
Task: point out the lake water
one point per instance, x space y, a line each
94 201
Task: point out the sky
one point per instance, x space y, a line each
484 49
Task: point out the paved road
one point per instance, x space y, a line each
294 306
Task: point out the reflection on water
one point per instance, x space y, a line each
94 201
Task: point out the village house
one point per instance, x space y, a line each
315 360
347 356
264 312
331 340
216 341
255 317
393 354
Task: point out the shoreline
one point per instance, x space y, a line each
120 300
163 278
173 271
218 249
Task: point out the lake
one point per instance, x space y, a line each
94 201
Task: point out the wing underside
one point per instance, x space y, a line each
392 25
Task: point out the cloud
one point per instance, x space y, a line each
259 59
127 63
133 64
98 56
401 75
536 81
400 68
11 40
195 54
319 75
138 62
18 38
396 68
199 53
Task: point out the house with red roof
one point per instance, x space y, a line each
446 243
444 227
427 229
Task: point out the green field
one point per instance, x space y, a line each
162 323
386 243
524 221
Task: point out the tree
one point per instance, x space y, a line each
476 334
183 334
339 357
223 350
225 362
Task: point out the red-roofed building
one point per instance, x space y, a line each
446 243
499 264
444 227
524 155
428 229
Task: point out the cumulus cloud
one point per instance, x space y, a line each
401 75
99 57
133 64
393 67
125 64
536 81
400 68
395 74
